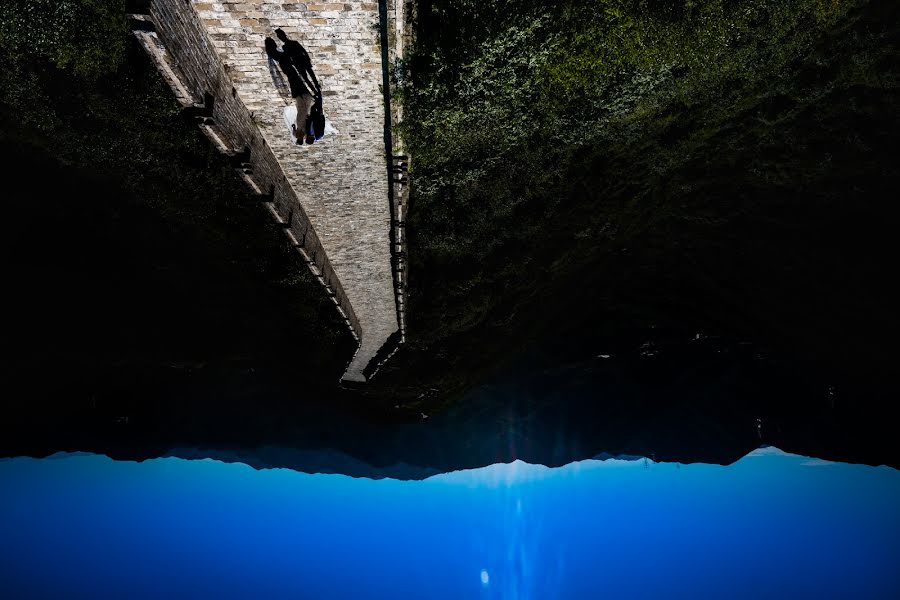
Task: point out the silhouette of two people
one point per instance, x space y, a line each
294 61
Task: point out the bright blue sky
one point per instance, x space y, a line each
770 526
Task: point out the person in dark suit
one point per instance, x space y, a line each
315 124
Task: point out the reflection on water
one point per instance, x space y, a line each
772 525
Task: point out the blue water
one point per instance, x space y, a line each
772 525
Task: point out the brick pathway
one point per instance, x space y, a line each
341 181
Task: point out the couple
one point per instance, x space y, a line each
309 124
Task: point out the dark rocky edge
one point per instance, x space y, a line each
699 400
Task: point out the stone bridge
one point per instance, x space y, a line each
340 201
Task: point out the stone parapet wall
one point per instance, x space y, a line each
394 35
400 12
331 198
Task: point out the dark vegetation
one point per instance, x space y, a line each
589 178
140 275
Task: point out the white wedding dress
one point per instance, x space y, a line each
290 118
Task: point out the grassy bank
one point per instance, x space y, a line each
588 174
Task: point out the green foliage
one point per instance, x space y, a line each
86 36
709 42
551 141
504 90
569 72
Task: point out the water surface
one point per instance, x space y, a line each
772 525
